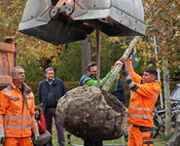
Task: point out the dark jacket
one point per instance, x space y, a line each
119 93
58 89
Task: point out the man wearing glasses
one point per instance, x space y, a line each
90 79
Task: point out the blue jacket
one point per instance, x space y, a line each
58 89
119 93
85 77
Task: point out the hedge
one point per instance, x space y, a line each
34 87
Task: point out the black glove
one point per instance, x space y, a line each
124 64
124 72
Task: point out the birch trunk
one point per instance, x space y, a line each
110 80
167 99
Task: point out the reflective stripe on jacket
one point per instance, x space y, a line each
143 100
17 111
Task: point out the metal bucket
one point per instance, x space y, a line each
47 20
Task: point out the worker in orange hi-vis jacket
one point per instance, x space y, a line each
145 92
17 112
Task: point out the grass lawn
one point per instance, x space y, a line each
158 141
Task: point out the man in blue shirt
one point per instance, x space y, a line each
50 90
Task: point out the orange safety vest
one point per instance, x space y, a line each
143 100
17 111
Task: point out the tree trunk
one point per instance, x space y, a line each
175 138
126 54
86 54
167 99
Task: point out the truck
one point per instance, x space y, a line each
7 60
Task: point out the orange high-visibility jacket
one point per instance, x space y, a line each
143 100
17 111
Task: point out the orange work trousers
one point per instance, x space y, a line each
140 136
18 141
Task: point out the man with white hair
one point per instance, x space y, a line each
17 112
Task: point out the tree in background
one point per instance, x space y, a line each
86 54
33 54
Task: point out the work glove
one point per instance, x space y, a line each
124 72
36 134
2 137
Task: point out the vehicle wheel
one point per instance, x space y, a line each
156 129
173 121
155 132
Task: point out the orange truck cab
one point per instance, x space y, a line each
7 60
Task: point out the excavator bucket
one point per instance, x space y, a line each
63 21
37 22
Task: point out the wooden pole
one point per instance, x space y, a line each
98 55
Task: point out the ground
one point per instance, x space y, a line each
158 141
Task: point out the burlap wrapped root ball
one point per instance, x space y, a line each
89 112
